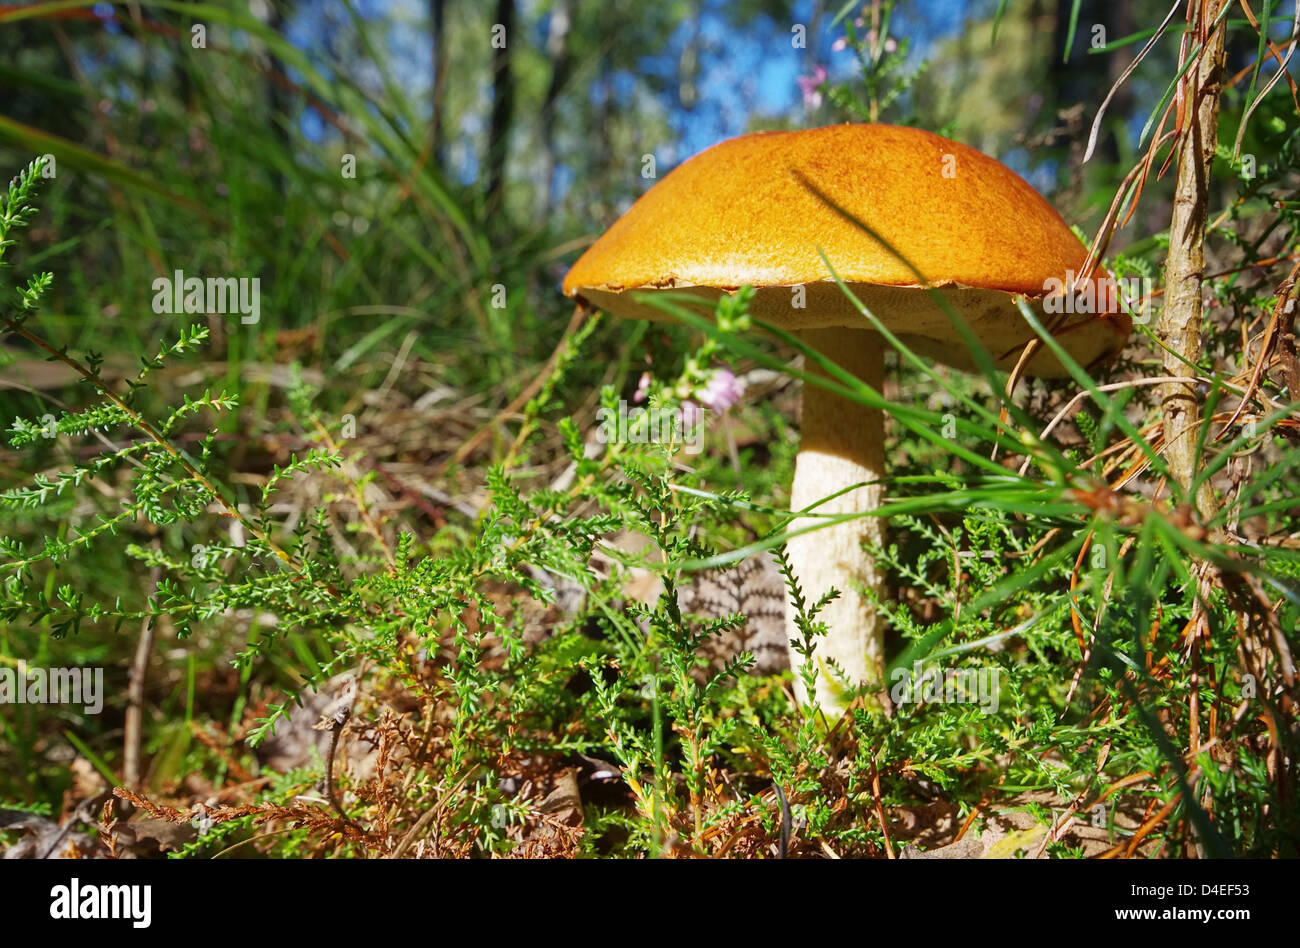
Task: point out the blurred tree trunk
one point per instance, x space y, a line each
688 65
811 51
1071 79
1122 105
502 108
557 51
1179 327
600 162
277 95
438 27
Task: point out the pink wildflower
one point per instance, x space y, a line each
809 85
642 388
722 391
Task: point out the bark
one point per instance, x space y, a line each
1179 326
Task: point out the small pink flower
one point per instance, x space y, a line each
722 391
840 45
642 388
873 37
809 85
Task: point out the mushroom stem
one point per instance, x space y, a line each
842 444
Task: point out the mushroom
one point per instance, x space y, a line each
743 213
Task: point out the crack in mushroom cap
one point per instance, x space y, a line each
742 213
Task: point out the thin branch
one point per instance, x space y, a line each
144 425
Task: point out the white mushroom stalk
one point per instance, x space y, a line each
842 445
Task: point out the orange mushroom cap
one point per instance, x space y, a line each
745 212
